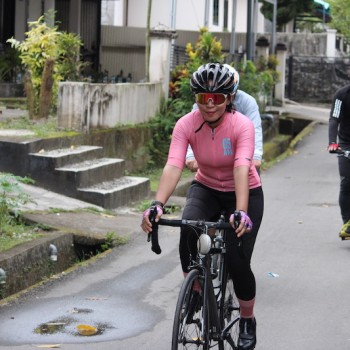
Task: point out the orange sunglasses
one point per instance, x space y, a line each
216 99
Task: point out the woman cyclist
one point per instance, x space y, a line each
247 105
227 180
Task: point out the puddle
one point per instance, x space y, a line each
72 326
50 328
81 311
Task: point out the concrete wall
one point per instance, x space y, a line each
315 79
85 106
29 263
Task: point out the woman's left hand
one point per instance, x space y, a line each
241 222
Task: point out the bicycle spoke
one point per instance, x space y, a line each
230 315
189 318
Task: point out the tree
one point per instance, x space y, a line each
48 56
340 12
287 10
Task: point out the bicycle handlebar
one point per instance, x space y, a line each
341 153
198 223
153 236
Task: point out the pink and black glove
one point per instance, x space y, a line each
240 216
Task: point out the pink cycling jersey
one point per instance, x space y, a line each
217 151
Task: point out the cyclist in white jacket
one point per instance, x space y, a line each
247 105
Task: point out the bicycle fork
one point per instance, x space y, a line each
214 325
209 300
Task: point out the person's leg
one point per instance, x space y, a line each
344 194
241 272
200 205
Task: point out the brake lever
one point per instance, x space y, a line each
153 235
236 221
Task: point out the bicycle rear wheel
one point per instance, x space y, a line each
229 313
191 318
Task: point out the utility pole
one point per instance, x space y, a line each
173 28
148 38
249 30
233 30
206 14
274 25
173 15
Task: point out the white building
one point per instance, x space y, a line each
217 15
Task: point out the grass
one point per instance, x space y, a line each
46 128
18 234
41 128
14 102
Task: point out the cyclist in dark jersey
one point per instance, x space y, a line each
339 138
222 141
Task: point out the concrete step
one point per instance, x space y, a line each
116 193
61 157
90 172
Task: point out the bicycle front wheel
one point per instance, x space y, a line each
229 314
191 318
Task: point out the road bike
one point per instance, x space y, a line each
207 311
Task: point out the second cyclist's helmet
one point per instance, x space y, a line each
236 76
214 78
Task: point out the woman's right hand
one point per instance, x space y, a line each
333 148
153 213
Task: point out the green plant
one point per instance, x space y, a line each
12 230
10 64
162 125
109 242
207 49
259 80
11 198
43 47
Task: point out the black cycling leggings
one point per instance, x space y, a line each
204 203
344 193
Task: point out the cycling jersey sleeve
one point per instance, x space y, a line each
335 115
189 154
179 145
244 149
247 105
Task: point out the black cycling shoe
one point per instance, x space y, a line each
247 334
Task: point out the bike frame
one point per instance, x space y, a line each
215 327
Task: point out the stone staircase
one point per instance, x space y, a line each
82 172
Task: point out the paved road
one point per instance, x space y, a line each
131 293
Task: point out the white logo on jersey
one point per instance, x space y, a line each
337 107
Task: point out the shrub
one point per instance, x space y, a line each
44 47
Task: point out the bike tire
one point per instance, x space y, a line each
191 318
229 312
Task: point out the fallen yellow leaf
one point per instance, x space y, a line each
85 329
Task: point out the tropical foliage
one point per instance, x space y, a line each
255 80
340 12
44 47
